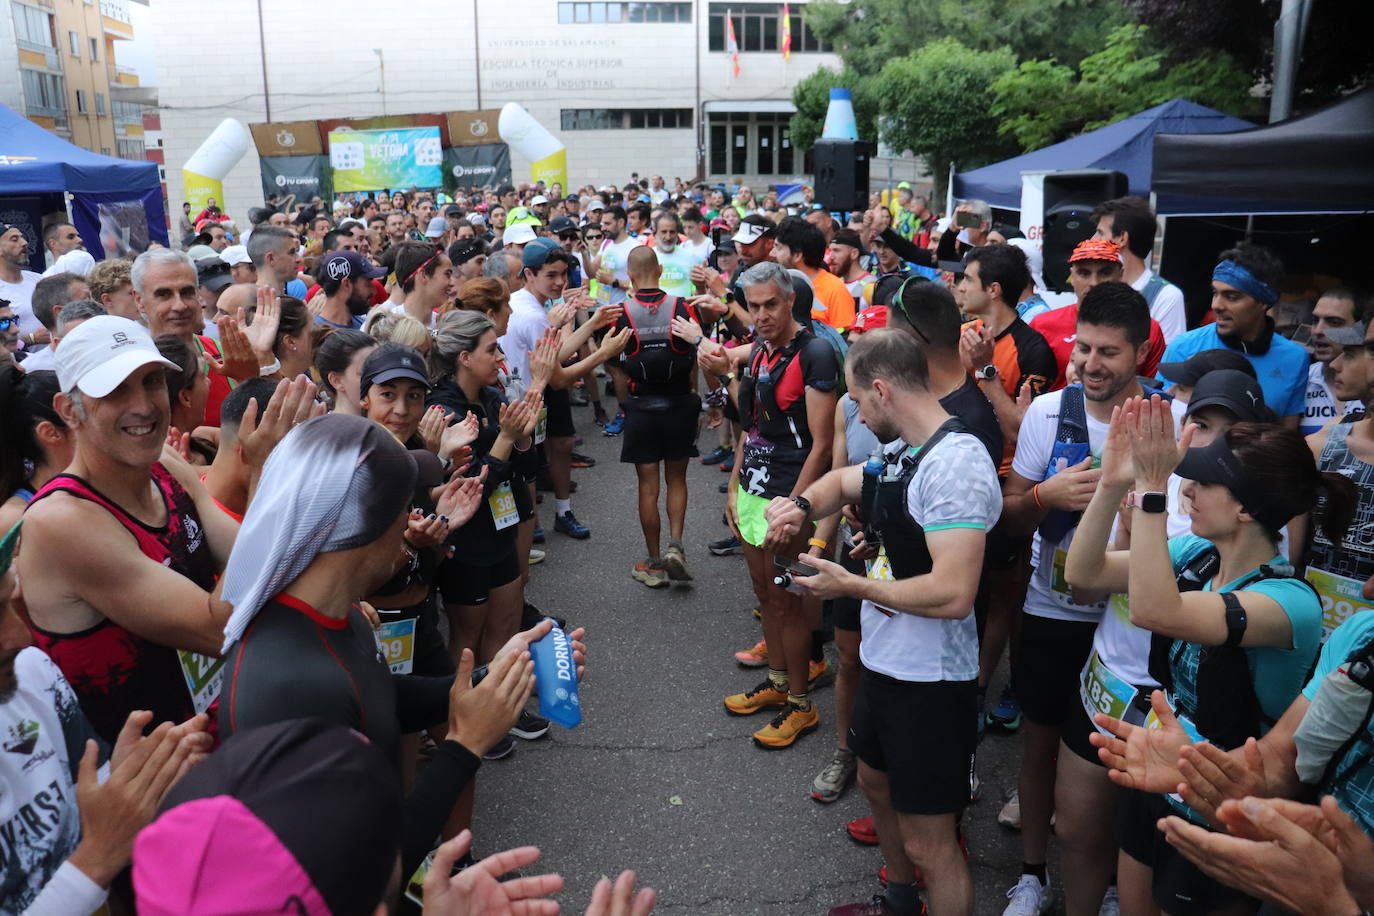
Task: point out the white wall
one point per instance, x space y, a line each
526 57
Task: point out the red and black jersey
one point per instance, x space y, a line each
773 411
657 363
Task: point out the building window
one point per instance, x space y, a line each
130 149
44 93
82 107
758 27
127 112
598 13
34 26
620 118
74 41
752 143
104 151
100 103
95 49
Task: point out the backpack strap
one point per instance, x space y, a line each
1153 287
1073 416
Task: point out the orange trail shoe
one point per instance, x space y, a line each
754 657
764 696
787 726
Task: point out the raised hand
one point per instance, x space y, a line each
688 330
292 403
621 900
425 530
1155 452
561 314
606 316
1142 758
612 345
238 361
478 889
518 420
1211 776
460 499
480 716
459 434
1118 471
316 305
262 333
432 427
711 357
544 358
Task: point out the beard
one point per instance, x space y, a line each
885 430
358 304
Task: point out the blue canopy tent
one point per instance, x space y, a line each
116 203
1126 146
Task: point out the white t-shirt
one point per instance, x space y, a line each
1321 406
954 487
1168 308
614 257
676 279
700 250
42 737
1048 594
399 308
20 296
528 322
42 359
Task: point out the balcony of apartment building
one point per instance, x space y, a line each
115 18
40 65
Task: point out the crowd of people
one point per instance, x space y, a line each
272 499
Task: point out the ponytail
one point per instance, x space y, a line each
1335 510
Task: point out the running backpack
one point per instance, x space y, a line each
837 343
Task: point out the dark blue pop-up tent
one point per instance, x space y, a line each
1126 146
116 203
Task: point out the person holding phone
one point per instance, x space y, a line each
927 512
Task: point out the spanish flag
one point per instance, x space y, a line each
731 44
786 32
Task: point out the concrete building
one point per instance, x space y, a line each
629 87
58 67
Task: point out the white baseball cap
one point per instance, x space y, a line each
538 199
235 254
100 353
595 204
519 235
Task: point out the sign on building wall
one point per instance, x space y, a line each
473 128
301 177
370 160
482 166
288 138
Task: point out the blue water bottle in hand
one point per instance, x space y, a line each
555 678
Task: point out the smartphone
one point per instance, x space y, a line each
967 219
717 233
796 568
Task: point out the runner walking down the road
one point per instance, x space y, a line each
662 411
787 410
914 724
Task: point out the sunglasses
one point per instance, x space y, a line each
594 236
568 236
7 323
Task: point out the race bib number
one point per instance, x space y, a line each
396 642
204 677
1102 690
541 427
1058 583
1341 598
880 567
502 503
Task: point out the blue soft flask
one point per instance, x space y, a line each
555 677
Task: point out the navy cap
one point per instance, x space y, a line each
392 361
561 224
213 274
341 265
537 252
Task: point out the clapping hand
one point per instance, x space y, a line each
458 435
262 333
238 362
292 403
1155 452
478 889
1142 758
432 427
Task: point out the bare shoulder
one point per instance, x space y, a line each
74 532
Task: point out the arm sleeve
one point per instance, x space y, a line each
948 249
908 251
69 892
437 787
421 702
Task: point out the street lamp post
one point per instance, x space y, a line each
381 62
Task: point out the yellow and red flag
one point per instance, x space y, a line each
786 32
731 44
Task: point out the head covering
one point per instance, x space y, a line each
213 274
437 227
869 319
1233 274
77 261
1199 364
100 353
333 483
752 228
341 265
295 817
1216 463
1236 391
518 235
392 361
464 250
1035 261
560 224
1096 250
522 216
235 254
536 253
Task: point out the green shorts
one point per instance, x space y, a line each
749 510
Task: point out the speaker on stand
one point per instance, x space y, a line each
1070 198
841 179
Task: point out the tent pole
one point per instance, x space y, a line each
262 55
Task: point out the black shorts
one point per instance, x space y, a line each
1052 656
1179 887
844 610
429 651
1078 726
559 406
471 583
659 428
922 735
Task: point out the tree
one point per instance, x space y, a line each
1042 102
935 104
869 33
812 98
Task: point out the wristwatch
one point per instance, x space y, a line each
987 373
803 504
1150 501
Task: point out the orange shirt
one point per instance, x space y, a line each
834 304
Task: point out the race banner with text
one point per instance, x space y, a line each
371 160
486 166
301 177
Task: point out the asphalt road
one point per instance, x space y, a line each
658 777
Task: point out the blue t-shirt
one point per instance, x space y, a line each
1282 370
1277 674
1352 781
297 288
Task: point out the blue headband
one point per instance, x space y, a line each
1232 274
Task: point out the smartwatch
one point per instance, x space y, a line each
1151 501
803 504
987 373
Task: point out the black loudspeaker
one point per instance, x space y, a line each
1070 198
841 180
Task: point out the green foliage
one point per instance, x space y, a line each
1042 102
812 98
934 104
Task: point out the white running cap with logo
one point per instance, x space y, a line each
97 355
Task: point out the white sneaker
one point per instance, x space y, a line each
1010 815
1111 903
1028 898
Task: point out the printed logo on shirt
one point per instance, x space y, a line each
22 737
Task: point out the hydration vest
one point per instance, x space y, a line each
657 362
884 501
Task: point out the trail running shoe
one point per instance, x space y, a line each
1006 715
615 427
764 696
536 556
716 456
862 831
568 524
787 726
583 461
831 781
819 674
726 547
755 656
1028 897
675 562
1010 815
501 749
651 573
529 726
